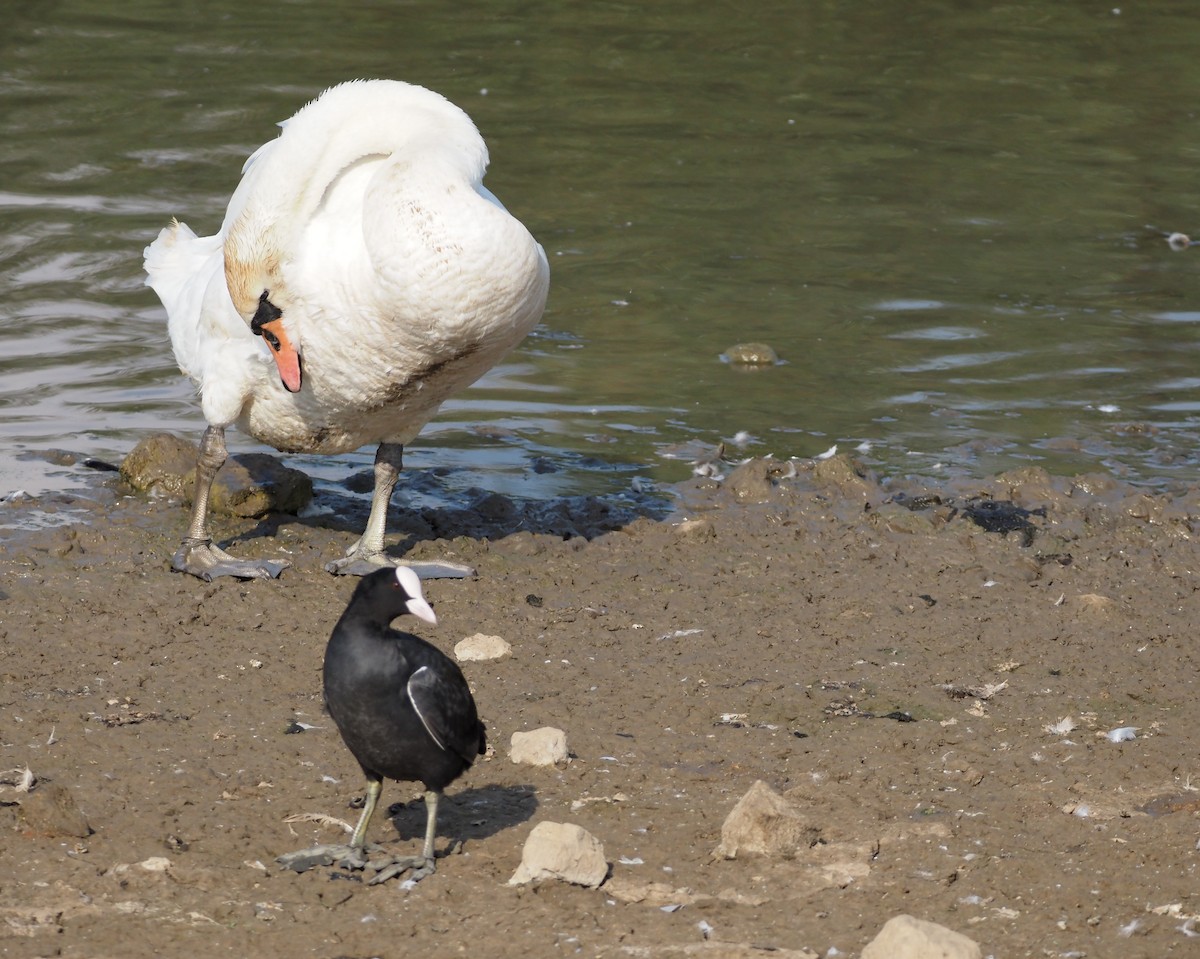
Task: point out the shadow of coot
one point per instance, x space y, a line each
468 814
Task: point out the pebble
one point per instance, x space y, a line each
539 747
563 851
480 648
765 823
905 937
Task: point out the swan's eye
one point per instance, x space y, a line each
267 312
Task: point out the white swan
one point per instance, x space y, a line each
361 276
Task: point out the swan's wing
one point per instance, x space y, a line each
252 170
489 196
250 160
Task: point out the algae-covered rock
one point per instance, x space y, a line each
162 463
248 485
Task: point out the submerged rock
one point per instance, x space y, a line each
751 354
248 485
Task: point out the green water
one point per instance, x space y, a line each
936 213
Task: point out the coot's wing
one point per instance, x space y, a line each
445 707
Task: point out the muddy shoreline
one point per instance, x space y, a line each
935 696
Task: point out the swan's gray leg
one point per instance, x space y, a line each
367 555
197 554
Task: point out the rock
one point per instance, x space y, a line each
904 937
162 462
752 481
50 810
765 823
479 648
751 354
155 866
1097 604
495 508
149 874
719 950
1029 486
696 530
248 485
898 519
845 475
627 889
254 484
539 747
558 850
843 872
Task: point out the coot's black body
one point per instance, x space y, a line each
402 706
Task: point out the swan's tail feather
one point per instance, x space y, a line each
174 261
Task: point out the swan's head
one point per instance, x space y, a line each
260 298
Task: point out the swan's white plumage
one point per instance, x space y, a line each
400 278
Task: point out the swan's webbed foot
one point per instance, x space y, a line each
201 558
382 865
361 562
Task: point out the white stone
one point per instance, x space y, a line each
481 647
563 851
765 823
539 747
905 937
155 865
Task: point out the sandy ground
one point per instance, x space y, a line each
933 696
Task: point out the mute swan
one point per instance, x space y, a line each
361 276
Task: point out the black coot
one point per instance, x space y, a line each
403 708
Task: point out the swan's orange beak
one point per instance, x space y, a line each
287 357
